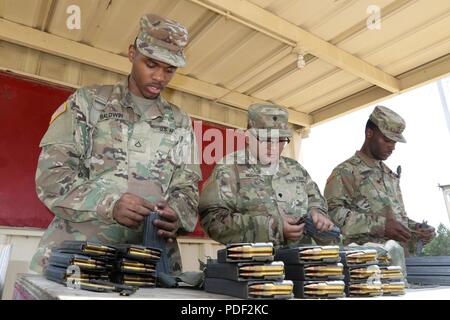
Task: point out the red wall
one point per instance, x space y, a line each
26 106
25 109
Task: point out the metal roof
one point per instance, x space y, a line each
243 51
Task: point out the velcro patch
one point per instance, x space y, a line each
62 108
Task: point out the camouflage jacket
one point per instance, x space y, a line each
240 204
359 192
85 167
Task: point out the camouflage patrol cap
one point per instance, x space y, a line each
390 123
162 39
268 120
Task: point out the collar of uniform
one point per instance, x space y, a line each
125 99
368 161
239 157
281 170
122 94
160 103
155 111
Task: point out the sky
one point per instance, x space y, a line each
425 158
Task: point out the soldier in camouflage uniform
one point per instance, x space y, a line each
363 194
254 195
114 153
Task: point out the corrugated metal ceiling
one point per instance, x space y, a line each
243 60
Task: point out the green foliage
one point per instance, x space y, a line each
440 246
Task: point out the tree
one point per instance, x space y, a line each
440 246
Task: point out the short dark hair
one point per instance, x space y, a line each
371 125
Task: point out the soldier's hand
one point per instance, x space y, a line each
168 224
395 230
292 230
130 210
426 234
321 222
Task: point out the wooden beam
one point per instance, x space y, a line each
196 87
422 75
354 102
197 107
431 71
72 50
78 52
264 21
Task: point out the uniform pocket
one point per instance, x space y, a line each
161 165
252 198
109 145
291 196
372 197
163 170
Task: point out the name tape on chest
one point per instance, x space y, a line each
111 115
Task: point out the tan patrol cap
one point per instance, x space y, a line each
390 123
162 39
266 120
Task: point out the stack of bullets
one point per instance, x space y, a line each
81 265
136 265
247 270
96 267
362 273
315 271
392 281
369 272
392 278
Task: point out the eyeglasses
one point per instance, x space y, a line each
274 140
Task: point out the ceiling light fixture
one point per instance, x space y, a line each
301 63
